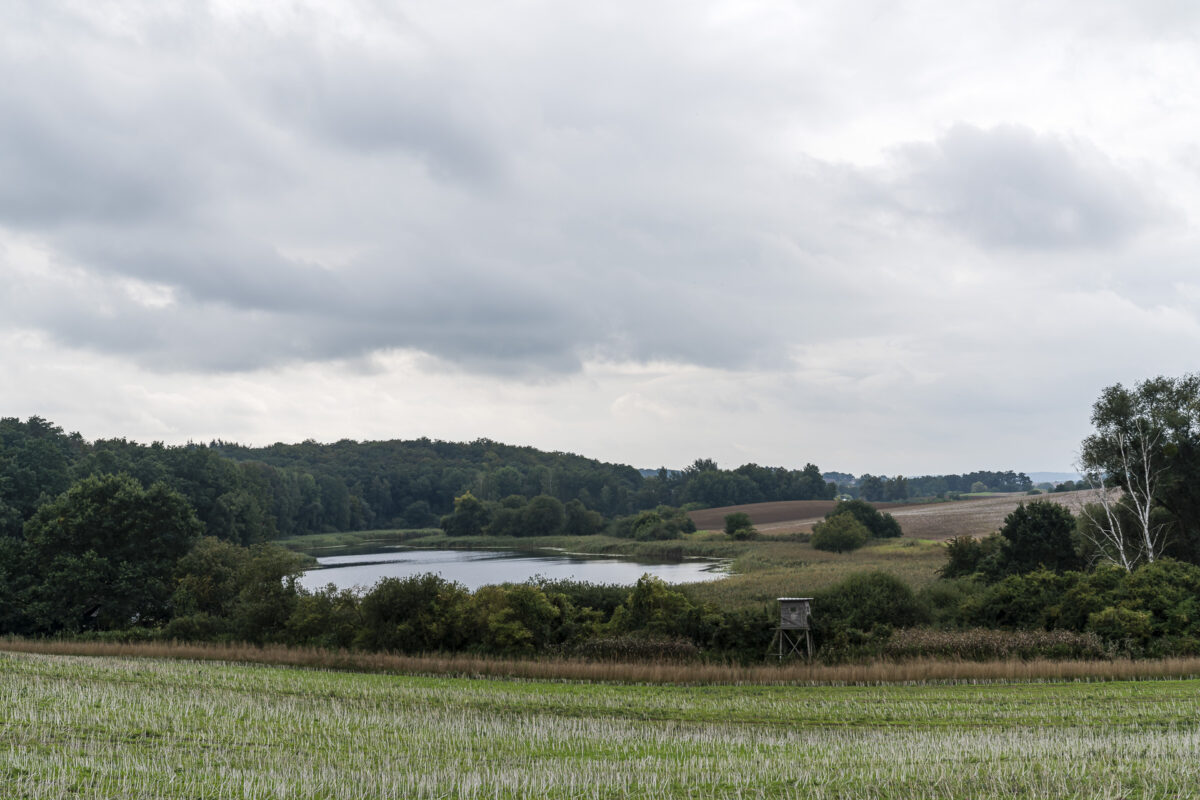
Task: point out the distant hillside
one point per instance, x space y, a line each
1053 477
249 494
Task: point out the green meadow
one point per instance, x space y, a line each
74 727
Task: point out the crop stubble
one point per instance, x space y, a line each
77 727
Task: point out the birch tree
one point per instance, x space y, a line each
1142 463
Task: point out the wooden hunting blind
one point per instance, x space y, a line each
795 616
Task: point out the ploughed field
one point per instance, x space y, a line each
103 728
976 516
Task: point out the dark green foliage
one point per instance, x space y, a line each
507 517
329 617
1039 534
421 614
580 521
736 521
963 557
103 554
878 525
512 620
662 523
901 488
543 516
16 581
603 598
1164 413
267 595
469 517
650 525
248 495
657 610
865 601
870 487
1118 624
945 600
35 465
709 486
839 534
1032 600
226 591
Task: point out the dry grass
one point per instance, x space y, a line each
771 569
921 670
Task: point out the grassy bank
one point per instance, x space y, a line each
102 728
344 542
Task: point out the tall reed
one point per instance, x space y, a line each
918 670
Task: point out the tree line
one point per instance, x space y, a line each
882 488
253 494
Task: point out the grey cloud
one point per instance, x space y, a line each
515 244
368 101
1010 187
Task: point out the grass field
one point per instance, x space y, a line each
108 728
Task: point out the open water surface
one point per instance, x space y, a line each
475 568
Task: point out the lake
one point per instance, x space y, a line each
475 568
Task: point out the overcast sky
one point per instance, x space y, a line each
881 237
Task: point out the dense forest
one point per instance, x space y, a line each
245 494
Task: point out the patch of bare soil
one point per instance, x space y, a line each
975 517
785 516
763 514
972 517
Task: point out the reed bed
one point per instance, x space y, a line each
910 671
142 728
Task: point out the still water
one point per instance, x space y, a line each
475 568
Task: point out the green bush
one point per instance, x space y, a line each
878 525
1040 534
1033 600
664 522
737 521
1124 626
865 601
419 614
839 534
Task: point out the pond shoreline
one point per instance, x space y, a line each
475 567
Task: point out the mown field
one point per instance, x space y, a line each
131 728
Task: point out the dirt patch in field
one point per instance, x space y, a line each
762 514
973 517
785 516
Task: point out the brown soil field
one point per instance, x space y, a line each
784 516
763 514
973 517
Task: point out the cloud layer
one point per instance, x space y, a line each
895 227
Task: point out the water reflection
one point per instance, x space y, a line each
475 568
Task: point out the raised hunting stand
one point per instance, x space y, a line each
795 613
